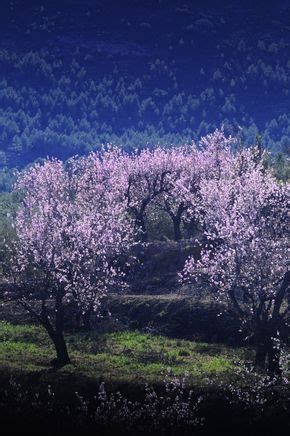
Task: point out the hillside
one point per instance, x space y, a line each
74 75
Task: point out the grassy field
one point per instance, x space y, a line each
36 396
120 352
120 356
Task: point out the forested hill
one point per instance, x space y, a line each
74 74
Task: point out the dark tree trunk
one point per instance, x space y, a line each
62 357
261 356
276 327
78 319
274 354
176 227
268 354
176 219
87 321
274 369
56 332
191 228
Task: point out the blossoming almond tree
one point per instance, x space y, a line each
147 178
245 210
168 179
182 196
70 228
101 200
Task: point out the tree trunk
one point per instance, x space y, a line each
176 228
56 333
176 219
261 355
78 318
268 355
191 228
62 357
274 354
87 321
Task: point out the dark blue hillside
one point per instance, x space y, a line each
74 74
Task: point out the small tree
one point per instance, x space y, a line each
245 210
70 229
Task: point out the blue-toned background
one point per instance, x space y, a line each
78 73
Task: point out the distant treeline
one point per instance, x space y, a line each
56 108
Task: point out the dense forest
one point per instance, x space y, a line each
69 85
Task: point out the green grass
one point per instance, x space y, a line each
121 356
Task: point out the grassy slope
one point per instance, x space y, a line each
125 361
120 357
